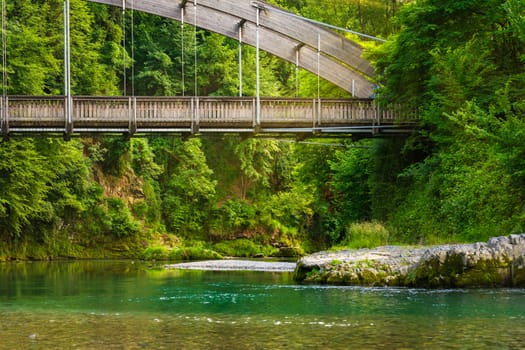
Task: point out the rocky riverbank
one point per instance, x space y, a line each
500 262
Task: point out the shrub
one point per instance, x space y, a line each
239 248
245 248
365 235
193 253
155 253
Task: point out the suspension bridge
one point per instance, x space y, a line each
310 45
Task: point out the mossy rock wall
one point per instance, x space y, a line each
454 271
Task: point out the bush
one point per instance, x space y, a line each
237 215
238 247
244 248
155 253
121 222
365 235
193 253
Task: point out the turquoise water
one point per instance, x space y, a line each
126 305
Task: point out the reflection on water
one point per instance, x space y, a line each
125 305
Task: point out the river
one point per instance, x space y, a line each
130 305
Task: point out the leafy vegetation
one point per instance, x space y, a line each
461 179
462 62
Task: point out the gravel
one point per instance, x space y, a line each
236 265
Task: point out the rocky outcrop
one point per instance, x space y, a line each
500 262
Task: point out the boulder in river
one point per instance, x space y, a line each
500 262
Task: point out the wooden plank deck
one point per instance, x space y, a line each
113 114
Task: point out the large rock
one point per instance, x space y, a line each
497 263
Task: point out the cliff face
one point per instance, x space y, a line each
500 262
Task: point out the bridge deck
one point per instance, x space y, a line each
47 114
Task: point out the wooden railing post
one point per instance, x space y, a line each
195 118
132 109
314 112
68 116
378 115
5 116
2 115
254 113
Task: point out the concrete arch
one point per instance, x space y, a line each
279 34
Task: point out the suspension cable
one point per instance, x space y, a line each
297 72
4 51
239 56
182 51
3 112
195 45
133 48
319 66
124 77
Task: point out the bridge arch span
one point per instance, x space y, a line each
282 35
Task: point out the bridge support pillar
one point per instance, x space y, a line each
4 127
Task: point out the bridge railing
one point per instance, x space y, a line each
26 111
398 113
191 114
225 112
102 112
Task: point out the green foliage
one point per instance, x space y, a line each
239 248
117 159
257 163
288 212
35 48
235 216
350 183
461 179
365 235
143 159
119 221
155 253
313 171
366 16
156 50
193 253
25 180
196 252
462 63
189 192
407 62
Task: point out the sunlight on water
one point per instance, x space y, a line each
111 305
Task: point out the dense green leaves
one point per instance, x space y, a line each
25 179
372 17
461 178
188 194
462 63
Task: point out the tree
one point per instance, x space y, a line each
25 179
462 63
189 194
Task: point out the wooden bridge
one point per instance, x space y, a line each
22 115
296 39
